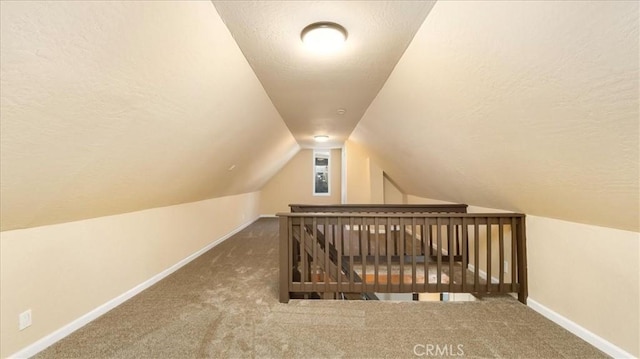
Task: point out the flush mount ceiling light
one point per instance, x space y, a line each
324 36
321 138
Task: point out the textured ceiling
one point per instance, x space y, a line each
308 89
525 106
109 107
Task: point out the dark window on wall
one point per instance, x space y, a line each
321 175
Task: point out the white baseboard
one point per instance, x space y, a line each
586 335
59 334
483 274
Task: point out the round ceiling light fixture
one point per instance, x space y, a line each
324 36
321 138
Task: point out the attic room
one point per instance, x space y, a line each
140 141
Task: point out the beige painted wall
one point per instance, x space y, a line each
358 182
364 179
376 178
294 184
64 271
588 274
392 194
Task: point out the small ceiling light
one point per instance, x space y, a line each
321 138
341 111
231 168
324 36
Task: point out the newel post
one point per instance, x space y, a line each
284 253
523 293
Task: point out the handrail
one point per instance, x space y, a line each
397 215
402 253
400 208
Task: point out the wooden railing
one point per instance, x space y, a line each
380 208
331 254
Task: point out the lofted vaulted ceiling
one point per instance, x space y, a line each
109 107
307 88
529 106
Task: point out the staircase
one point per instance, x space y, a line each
338 266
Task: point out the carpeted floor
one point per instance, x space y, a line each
224 305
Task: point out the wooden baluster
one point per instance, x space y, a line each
327 261
427 259
423 238
363 253
339 247
401 251
430 234
465 254
476 255
389 244
376 258
439 254
350 246
450 252
414 272
303 255
489 262
314 250
514 255
457 239
396 233
370 242
501 249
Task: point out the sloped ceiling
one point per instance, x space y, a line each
110 107
529 106
308 88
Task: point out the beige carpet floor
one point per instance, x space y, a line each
224 305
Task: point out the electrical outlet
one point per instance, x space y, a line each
506 266
24 320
